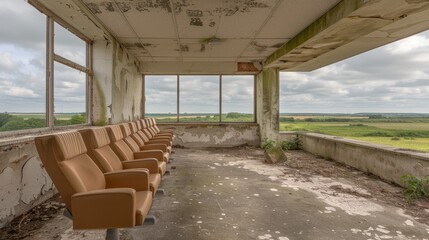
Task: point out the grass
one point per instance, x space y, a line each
402 135
25 116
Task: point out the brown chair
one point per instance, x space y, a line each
154 130
146 146
147 140
126 132
95 200
150 134
97 142
125 153
157 130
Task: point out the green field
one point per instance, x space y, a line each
397 132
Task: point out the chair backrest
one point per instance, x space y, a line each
126 131
139 125
119 146
98 144
153 120
70 168
135 135
150 126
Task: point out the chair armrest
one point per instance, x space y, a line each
161 138
106 208
160 141
137 179
149 163
157 154
161 147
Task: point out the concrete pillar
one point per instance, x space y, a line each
102 82
267 103
117 88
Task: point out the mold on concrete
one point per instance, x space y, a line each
215 135
23 181
267 103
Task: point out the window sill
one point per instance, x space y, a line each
28 135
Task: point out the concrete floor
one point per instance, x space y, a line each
221 194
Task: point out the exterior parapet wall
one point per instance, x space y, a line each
389 163
215 135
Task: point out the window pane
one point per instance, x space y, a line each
161 98
69 45
199 98
22 66
69 96
237 98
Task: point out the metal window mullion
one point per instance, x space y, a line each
220 98
72 64
89 79
255 92
177 98
50 72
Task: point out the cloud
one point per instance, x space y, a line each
388 79
19 92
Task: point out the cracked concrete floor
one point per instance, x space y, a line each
220 194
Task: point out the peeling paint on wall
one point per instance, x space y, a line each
215 135
23 181
126 88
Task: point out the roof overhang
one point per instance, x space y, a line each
289 35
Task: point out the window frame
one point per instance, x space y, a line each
51 57
220 98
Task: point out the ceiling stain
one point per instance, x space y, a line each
108 6
194 13
184 48
260 48
124 7
196 22
277 45
212 23
178 5
94 8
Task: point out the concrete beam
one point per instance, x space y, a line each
193 68
349 29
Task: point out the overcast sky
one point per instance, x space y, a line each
393 78
23 62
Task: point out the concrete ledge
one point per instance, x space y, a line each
389 163
214 134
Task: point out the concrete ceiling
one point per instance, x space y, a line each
206 30
211 36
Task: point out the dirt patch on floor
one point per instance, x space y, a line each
304 166
29 223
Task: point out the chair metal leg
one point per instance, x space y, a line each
149 220
67 214
160 191
112 234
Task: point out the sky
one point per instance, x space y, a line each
23 62
392 78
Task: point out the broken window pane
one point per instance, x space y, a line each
161 98
22 66
237 98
